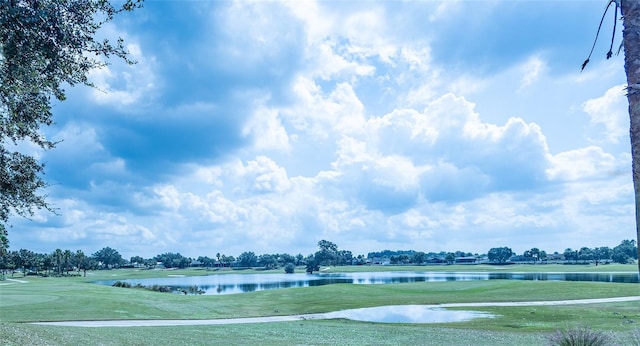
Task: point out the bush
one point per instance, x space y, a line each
159 288
582 336
195 290
121 284
289 268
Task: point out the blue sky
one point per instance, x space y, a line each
268 126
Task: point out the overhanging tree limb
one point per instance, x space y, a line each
43 44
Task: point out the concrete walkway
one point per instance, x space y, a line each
156 323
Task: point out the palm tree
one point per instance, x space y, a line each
630 39
48 263
57 255
80 261
4 241
630 10
67 255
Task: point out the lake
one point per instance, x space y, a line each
219 284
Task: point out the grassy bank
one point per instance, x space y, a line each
56 299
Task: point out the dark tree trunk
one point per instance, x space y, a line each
631 41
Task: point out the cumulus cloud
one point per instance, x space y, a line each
267 130
609 111
320 114
277 125
262 175
582 163
450 136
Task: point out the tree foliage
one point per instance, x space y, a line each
312 264
499 254
173 260
4 239
44 44
327 253
289 268
106 257
205 261
248 259
625 251
418 257
268 261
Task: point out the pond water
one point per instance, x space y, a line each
408 314
242 283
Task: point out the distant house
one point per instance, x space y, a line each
436 260
555 257
196 263
159 265
465 260
380 261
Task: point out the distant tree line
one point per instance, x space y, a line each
625 252
67 262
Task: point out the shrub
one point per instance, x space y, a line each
195 290
289 268
159 288
121 284
582 336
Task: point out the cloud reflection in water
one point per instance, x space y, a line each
408 314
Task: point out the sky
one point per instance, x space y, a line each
268 126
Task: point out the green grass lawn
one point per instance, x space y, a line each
76 298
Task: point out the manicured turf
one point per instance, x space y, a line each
56 299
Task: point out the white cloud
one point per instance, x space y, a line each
367 30
330 64
265 127
397 131
418 58
121 85
263 175
77 138
168 196
609 111
531 71
321 115
251 37
317 22
208 175
582 163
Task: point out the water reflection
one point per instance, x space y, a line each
241 283
408 314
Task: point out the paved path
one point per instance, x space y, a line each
155 323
